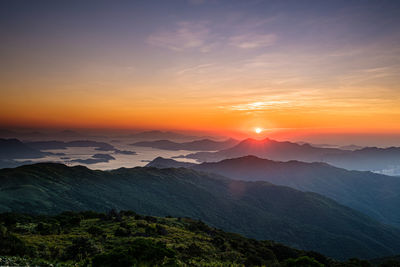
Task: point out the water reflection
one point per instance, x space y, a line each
141 158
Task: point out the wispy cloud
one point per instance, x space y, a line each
187 35
261 105
308 102
248 41
204 36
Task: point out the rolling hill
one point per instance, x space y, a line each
119 239
255 209
373 194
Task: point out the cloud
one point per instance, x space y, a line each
204 36
261 105
249 41
187 35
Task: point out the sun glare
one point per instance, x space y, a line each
258 130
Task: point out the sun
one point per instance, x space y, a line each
258 130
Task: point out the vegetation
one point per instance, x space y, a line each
256 210
129 239
373 194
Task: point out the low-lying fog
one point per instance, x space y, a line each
142 157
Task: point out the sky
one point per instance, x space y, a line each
224 66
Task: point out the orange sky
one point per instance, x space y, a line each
205 67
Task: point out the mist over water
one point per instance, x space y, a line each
141 158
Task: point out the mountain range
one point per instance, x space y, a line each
45 135
155 135
258 210
15 149
365 159
44 145
197 145
376 195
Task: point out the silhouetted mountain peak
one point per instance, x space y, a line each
15 149
161 162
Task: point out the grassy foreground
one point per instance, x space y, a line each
128 239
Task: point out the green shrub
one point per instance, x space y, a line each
81 248
354 262
149 251
47 229
95 230
390 263
122 232
303 261
113 259
11 245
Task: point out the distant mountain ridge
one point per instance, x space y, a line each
373 194
197 145
365 159
15 149
256 209
267 148
45 135
12 151
44 145
96 158
155 135
162 163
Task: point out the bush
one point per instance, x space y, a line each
390 263
150 251
150 230
114 215
141 250
194 250
47 229
303 261
122 232
81 248
91 214
113 259
150 219
282 252
11 245
161 230
127 213
199 226
253 260
69 219
95 231
354 262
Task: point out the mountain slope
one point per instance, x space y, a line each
255 209
162 163
368 158
373 194
125 238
